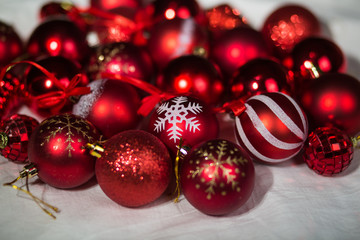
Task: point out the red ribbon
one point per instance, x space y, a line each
236 106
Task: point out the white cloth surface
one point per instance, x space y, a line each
289 200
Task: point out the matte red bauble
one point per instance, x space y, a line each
111 106
333 99
328 151
11 45
11 94
287 26
216 177
273 128
135 168
259 76
57 148
15 133
183 117
193 74
111 4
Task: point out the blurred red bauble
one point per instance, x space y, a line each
183 117
216 178
135 168
259 76
57 148
273 128
287 26
111 106
328 151
333 99
111 4
11 45
15 133
11 94
237 46
192 74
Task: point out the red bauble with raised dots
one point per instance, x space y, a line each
11 94
11 45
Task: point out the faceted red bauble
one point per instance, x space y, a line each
135 168
287 26
216 178
11 95
237 46
121 58
111 4
273 127
11 45
333 99
111 106
173 38
15 133
328 151
193 74
183 117
259 76
57 148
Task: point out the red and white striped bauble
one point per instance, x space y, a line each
273 128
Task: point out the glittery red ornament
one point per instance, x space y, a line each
11 94
57 148
11 45
111 106
328 151
135 168
183 117
273 128
333 99
15 133
193 74
111 4
217 178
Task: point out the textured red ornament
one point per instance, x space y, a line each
183 117
195 75
11 94
135 168
57 148
272 128
111 106
333 99
15 133
287 26
11 45
216 177
328 151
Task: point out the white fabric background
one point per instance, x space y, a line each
289 200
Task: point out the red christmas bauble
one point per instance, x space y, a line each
11 94
15 133
287 26
183 117
57 148
216 177
11 45
135 168
193 74
273 128
333 99
111 106
111 4
328 151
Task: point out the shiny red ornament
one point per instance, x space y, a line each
217 178
57 149
135 168
11 45
193 74
11 94
112 4
333 99
111 106
273 127
287 26
328 151
15 133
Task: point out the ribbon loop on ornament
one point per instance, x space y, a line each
236 107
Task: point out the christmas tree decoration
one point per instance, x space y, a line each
15 133
111 106
11 93
134 169
57 148
106 5
11 45
273 127
216 177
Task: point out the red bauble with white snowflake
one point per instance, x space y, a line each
11 45
273 127
183 117
217 177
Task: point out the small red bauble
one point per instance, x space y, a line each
273 127
57 148
15 133
11 94
11 45
135 168
216 177
328 151
111 4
